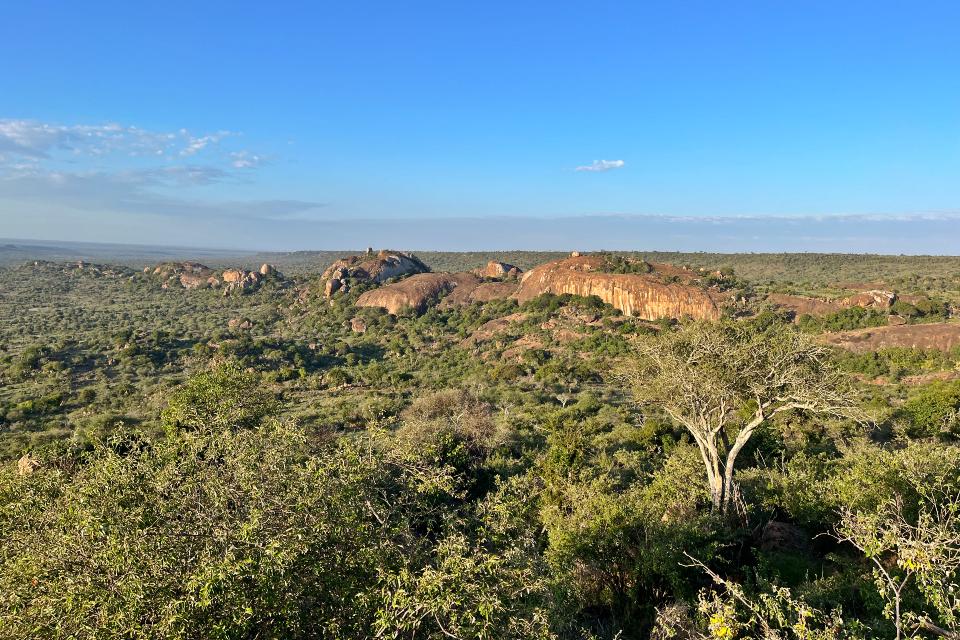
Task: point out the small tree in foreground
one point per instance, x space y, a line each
728 612
722 381
922 549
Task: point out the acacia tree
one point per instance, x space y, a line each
722 381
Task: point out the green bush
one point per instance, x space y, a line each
934 410
224 397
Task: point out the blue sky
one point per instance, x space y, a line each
308 125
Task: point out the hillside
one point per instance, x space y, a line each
430 412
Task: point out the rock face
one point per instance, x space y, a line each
416 292
874 299
802 305
500 270
333 285
233 276
420 288
934 335
167 269
374 269
469 289
645 296
493 329
487 291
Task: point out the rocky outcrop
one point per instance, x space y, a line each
333 285
241 324
233 276
646 296
373 269
416 292
803 305
240 281
934 335
189 275
198 281
193 275
420 291
170 269
500 270
874 299
27 465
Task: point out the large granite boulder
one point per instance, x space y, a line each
661 293
500 270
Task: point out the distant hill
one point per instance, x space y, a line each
15 251
805 273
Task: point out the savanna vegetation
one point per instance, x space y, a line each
183 464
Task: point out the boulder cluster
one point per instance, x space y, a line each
240 280
416 288
498 270
369 268
193 275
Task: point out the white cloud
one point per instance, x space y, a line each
46 141
119 168
246 160
195 145
601 165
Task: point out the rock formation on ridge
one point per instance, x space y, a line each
648 296
932 335
496 269
193 275
803 305
422 290
369 269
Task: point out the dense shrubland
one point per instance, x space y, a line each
167 475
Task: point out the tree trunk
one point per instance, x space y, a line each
711 462
732 454
728 475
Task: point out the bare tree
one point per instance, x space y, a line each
722 381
